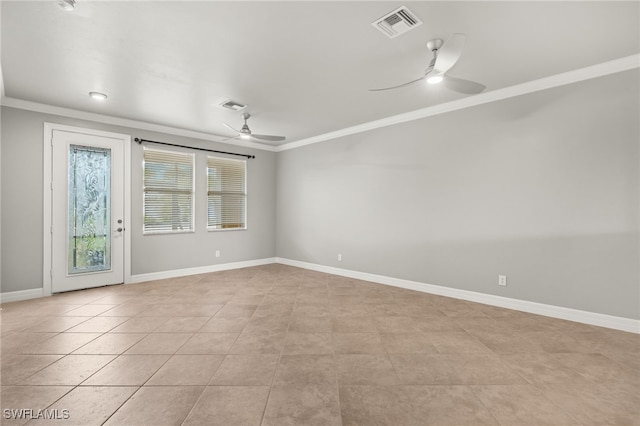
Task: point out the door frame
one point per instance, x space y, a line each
47 190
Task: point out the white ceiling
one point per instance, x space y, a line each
303 68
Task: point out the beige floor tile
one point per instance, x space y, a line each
310 405
186 370
456 342
88 310
356 369
376 405
352 324
63 343
272 322
23 342
429 324
539 368
599 368
395 324
424 369
157 405
182 325
98 325
343 311
159 343
506 342
140 325
128 370
310 324
110 343
16 368
56 324
129 309
507 404
358 343
90 405
229 405
483 369
305 370
447 406
224 325
259 343
19 399
246 370
308 343
393 356
236 311
408 343
209 343
70 370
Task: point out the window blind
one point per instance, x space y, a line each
226 193
168 191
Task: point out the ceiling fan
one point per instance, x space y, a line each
445 56
245 132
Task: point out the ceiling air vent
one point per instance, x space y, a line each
236 106
397 22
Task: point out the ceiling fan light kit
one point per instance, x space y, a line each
67 5
445 56
245 132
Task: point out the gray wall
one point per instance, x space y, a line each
22 206
543 188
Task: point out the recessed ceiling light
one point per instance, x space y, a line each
97 95
67 4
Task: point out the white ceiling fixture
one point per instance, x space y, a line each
397 22
445 56
99 96
245 132
67 4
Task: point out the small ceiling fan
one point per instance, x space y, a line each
445 56
245 132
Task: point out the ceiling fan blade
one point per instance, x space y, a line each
449 53
463 86
231 128
399 85
269 138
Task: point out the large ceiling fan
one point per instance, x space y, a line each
245 132
445 56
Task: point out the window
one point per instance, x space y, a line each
168 191
226 193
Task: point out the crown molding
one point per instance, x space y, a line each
594 71
599 70
117 121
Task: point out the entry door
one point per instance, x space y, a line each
87 211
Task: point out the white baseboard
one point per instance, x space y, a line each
14 296
199 270
592 318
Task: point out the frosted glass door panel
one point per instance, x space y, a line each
89 209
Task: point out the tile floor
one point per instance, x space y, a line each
276 345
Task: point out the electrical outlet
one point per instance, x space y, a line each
217 253
339 257
502 280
